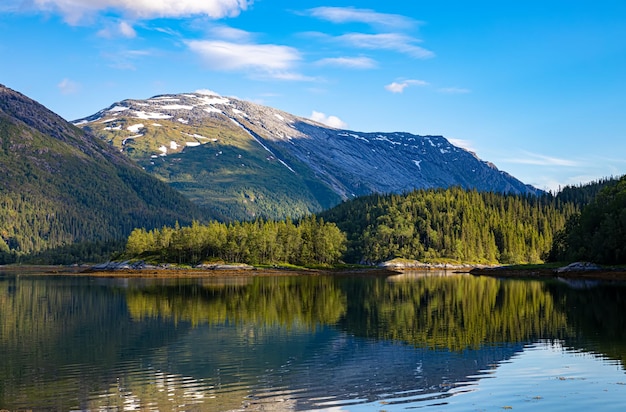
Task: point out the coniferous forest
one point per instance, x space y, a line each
598 233
586 222
310 241
451 225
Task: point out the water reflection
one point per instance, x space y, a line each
302 342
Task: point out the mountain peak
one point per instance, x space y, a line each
210 139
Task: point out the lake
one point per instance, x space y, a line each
431 341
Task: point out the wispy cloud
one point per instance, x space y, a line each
229 33
287 75
465 144
125 59
121 29
387 41
349 62
332 121
454 90
67 86
271 60
367 16
398 87
529 158
74 11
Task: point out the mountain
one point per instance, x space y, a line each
59 184
248 160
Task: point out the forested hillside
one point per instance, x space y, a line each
598 233
583 194
59 185
452 224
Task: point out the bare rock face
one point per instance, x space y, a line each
322 165
578 267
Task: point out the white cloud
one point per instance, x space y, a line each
350 62
332 121
268 59
230 33
387 41
76 10
354 15
127 30
123 29
67 86
454 90
396 87
465 144
208 92
529 158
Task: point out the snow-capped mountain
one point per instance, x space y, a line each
245 159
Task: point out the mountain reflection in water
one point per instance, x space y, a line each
288 343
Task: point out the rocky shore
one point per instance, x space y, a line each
576 270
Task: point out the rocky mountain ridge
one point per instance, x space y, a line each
253 156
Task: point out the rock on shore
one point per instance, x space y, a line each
141 265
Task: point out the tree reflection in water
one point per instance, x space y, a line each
79 342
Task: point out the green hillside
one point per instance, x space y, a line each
218 165
60 185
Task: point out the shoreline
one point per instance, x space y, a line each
617 274
42 270
550 273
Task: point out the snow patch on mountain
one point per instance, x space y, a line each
135 128
211 100
151 115
177 107
130 138
263 146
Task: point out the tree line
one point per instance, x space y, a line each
452 224
309 241
598 232
586 222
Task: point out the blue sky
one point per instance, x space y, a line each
536 87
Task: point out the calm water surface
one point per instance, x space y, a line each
414 341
